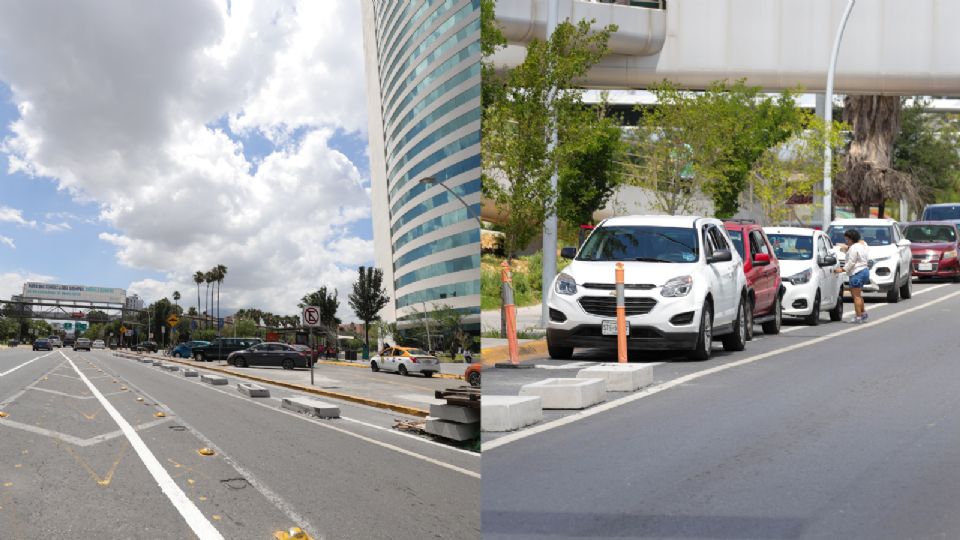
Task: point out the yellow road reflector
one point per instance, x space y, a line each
123 387
294 533
7 484
215 517
139 399
46 378
3 414
191 481
202 498
160 415
205 451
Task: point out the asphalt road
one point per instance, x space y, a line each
836 431
82 457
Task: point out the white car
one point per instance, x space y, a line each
99 344
405 360
808 271
684 287
889 252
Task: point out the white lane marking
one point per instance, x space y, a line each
409 436
195 519
386 445
23 391
76 441
11 370
651 390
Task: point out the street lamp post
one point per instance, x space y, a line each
431 181
828 120
549 264
427 326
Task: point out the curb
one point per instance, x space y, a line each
501 353
413 411
365 366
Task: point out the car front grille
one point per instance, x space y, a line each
613 286
606 306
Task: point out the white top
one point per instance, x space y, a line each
857 258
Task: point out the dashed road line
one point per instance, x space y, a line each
28 362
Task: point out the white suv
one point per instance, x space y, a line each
891 269
808 272
684 287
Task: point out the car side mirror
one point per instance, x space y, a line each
568 252
904 243
721 255
828 260
761 259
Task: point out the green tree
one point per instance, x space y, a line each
589 164
524 108
368 298
219 273
328 304
926 149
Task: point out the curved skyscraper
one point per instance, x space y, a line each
423 100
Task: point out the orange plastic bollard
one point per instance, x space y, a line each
510 311
621 317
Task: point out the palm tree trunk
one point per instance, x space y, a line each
218 308
198 299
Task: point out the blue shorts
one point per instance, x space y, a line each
861 278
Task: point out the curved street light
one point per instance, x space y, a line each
431 181
828 121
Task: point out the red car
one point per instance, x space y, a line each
763 274
472 375
934 247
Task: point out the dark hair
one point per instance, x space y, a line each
852 234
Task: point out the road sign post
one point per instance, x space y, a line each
311 319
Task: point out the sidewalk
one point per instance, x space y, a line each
528 318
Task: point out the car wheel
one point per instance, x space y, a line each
474 379
893 295
240 362
836 314
374 367
749 315
557 352
813 319
773 326
956 279
907 290
200 357
287 363
737 341
428 374
402 370
705 336
177 354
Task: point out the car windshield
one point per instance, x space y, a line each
873 235
641 243
939 213
792 247
930 234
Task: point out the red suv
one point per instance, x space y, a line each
934 245
763 274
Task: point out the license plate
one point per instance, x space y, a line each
609 328
925 267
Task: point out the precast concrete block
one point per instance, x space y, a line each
215 380
170 367
156 362
145 360
558 393
189 372
509 413
619 377
455 413
452 430
311 406
253 390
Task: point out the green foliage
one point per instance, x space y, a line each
368 297
328 304
589 164
526 276
522 110
926 149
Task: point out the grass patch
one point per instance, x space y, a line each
527 278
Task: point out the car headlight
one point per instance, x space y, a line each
952 254
566 284
678 286
801 277
872 262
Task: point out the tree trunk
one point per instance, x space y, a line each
366 336
868 176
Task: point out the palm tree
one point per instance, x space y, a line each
208 279
198 279
176 300
220 273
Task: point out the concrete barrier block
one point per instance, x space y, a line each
311 406
619 377
145 360
452 430
567 393
189 372
455 413
170 367
509 413
215 380
156 362
253 390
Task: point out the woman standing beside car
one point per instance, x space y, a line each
857 268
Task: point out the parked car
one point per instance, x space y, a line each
941 212
890 255
82 344
270 354
684 287
147 346
762 270
472 374
185 350
220 348
99 344
42 344
808 268
13 343
55 341
934 247
405 360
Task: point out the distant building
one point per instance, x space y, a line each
133 302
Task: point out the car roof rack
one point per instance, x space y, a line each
741 220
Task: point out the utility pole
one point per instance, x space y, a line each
828 121
550 224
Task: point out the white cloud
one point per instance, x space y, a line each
56 227
124 117
12 215
6 240
11 283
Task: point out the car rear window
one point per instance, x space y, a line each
939 213
873 235
792 247
930 234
